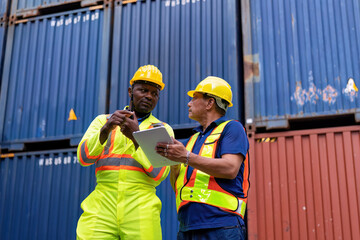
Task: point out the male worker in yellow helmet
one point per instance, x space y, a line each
212 182
124 204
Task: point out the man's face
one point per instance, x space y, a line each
145 97
197 106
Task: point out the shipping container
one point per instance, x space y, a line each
187 41
301 60
41 193
4 9
31 8
55 76
305 184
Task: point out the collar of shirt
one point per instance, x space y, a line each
202 137
143 118
211 126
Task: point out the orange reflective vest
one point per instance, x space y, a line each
203 188
116 160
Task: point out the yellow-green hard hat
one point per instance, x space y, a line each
148 73
214 86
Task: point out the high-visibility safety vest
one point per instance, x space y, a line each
203 188
117 154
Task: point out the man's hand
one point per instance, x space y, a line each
226 167
174 151
121 118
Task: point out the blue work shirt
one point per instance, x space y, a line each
140 120
233 140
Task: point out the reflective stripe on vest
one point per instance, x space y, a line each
85 158
202 187
109 161
117 163
126 162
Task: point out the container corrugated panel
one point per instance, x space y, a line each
169 222
4 7
41 194
25 8
54 64
301 60
2 47
305 184
186 40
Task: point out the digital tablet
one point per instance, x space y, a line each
147 140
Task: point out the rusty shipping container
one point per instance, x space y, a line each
301 60
305 184
41 193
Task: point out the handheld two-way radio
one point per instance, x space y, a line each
131 104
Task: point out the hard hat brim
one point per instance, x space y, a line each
191 94
147 81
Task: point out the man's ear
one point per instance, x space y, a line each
211 103
130 91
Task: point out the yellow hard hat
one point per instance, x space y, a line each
215 86
148 73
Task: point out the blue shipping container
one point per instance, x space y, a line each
25 8
301 59
41 193
187 41
55 67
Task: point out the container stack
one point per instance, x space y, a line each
53 84
301 72
68 61
54 78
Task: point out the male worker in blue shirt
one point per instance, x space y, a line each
212 182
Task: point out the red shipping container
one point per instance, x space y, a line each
305 184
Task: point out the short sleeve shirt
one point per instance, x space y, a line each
233 140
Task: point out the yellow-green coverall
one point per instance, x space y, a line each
124 204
